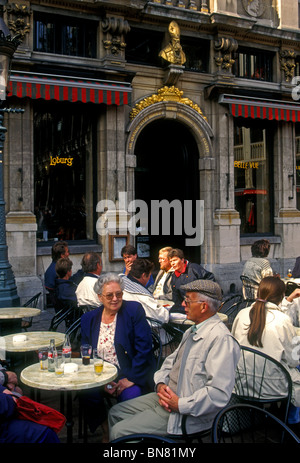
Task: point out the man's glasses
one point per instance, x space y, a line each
189 301
110 296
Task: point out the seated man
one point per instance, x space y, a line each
162 288
59 250
85 293
135 290
129 254
258 266
65 287
196 380
184 272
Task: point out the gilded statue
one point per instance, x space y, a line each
173 52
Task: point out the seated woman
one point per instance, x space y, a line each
121 329
13 430
266 328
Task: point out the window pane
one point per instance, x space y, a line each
253 64
67 36
63 152
252 178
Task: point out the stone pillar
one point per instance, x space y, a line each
21 224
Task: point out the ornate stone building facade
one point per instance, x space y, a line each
186 108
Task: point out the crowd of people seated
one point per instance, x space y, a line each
197 379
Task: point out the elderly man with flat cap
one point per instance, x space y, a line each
196 380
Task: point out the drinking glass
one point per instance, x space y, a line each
59 363
43 358
86 351
98 360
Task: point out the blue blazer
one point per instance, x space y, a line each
133 341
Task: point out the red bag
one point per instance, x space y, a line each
28 409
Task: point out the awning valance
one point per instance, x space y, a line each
257 108
63 88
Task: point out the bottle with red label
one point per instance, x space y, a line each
67 350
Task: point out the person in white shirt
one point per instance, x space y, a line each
162 288
135 290
85 293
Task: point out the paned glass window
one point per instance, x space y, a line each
252 179
64 180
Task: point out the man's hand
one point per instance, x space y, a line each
167 398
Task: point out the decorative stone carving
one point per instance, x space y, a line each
164 94
254 8
18 19
225 48
287 63
115 30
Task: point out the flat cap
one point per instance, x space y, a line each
207 287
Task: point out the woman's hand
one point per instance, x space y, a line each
294 295
124 383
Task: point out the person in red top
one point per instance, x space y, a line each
184 272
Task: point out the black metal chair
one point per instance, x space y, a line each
142 438
169 335
231 310
257 373
68 314
249 289
157 349
245 423
32 302
290 287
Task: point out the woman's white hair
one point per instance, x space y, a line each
108 278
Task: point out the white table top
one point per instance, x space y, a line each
18 312
84 378
293 280
181 319
35 340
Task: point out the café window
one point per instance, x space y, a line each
63 160
254 64
252 179
65 36
298 164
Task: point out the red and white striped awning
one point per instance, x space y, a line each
63 88
257 108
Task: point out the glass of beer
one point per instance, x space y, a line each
59 363
86 351
98 361
43 358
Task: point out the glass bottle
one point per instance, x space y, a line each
51 355
289 274
67 350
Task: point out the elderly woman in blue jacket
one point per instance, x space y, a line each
119 328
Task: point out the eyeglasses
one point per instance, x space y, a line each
110 296
189 302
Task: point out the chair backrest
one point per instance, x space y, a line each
290 287
262 379
170 336
245 423
232 310
156 348
74 331
249 288
33 302
68 314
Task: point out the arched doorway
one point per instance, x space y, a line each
167 168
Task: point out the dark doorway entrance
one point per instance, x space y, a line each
167 169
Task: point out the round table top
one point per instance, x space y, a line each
180 319
35 340
84 378
18 312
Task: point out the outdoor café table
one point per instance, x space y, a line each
180 319
11 318
34 340
84 378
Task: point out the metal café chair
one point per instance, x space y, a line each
258 380
32 302
245 423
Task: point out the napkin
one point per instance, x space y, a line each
20 338
70 368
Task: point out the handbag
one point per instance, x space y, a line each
28 409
